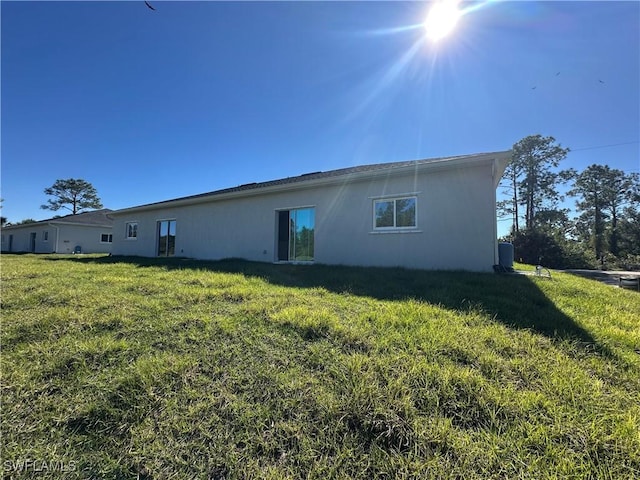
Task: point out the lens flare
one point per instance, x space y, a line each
442 19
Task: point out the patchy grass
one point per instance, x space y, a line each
137 368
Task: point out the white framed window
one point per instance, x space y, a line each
395 213
131 230
106 238
45 236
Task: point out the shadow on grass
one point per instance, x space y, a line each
513 300
609 278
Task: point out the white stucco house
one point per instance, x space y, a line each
428 214
89 232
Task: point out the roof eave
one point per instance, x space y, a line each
443 164
75 224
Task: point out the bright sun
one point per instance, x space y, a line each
442 19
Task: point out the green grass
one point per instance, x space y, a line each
137 368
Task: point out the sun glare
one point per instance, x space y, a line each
442 19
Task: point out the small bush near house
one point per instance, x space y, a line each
532 247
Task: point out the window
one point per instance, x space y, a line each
394 213
296 230
132 230
106 238
45 236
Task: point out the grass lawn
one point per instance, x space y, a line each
125 368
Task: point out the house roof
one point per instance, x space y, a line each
335 176
95 218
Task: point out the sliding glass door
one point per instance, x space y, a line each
166 238
296 235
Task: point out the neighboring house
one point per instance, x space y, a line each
427 214
88 232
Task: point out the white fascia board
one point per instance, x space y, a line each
77 224
500 165
46 223
23 226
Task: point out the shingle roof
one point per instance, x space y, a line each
97 218
321 175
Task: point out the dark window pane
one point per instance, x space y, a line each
384 214
171 239
162 239
406 212
283 235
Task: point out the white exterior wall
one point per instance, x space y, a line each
87 237
456 224
22 238
62 238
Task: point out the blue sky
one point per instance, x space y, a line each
196 96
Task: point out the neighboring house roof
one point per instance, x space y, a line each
95 218
334 176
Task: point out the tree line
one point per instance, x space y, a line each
604 229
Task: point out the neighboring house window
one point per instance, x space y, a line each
394 213
106 238
45 236
132 230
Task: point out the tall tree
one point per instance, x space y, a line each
76 195
628 233
620 190
509 207
535 158
629 230
530 181
604 194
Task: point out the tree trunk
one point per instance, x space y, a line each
613 241
597 228
516 222
531 183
